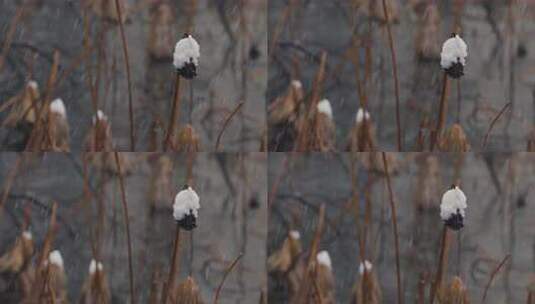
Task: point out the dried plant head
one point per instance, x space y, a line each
187 292
374 9
454 293
427 38
95 288
454 140
325 282
55 290
55 137
107 9
367 289
362 136
161 183
186 140
429 182
99 137
295 278
162 32
323 136
285 108
18 256
282 259
22 110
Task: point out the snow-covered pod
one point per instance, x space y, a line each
453 56
453 208
186 57
186 208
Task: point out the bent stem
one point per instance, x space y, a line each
229 269
175 111
174 264
127 226
443 261
395 226
395 72
128 78
443 108
225 124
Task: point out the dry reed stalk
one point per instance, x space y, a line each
442 264
128 76
304 288
37 138
175 113
395 72
225 124
174 263
279 27
127 226
493 274
395 226
485 139
443 108
9 181
227 272
40 273
17 18
305 125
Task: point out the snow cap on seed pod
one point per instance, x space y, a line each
324 106
294 234
186 56
27 235
94 266
55 258
57 106
100 116
361 115
453 56
365 266
324 258
452 208
186 208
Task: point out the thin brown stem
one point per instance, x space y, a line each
225 124
128 77
17 18
395 72
127 226
442 263
492 277
304 289
395 226
175 112
227 272
174 263
443 109
486 138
